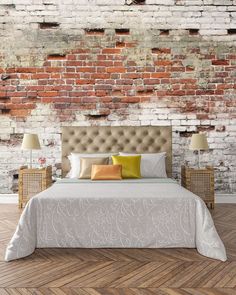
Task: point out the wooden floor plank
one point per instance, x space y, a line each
117 291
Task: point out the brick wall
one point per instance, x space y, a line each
94 63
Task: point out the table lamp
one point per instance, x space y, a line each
30 142
198 143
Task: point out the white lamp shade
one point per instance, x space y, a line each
30 142
198 142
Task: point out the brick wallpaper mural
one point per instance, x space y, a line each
129 63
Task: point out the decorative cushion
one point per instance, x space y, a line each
130 165
75 162
106 172
86 166
152 165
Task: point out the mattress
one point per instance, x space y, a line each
142 213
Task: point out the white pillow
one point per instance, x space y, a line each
74 159
152 165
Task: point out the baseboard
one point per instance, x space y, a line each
8 198
225 198
219 199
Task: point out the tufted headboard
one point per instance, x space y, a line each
106 139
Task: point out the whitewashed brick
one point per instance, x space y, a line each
212 17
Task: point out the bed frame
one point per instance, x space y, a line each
106 139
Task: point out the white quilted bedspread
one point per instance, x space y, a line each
145 213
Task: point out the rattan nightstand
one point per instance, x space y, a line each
200 182
32 182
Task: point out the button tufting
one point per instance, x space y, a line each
114 139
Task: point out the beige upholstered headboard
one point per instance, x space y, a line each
105 139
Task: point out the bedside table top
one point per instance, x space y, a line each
28 169
206 168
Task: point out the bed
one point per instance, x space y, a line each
131 213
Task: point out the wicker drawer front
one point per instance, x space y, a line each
32 182
199 182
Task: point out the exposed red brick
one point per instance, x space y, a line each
40 76
89 99
205 128
105 78
130 99
47 93
176 69
3 94
20 113
55 76
76 99
25 76
86 69
120 44
25 70
104 63
54 69
115 70
163 62
131 63
16 100
151 81
111 51
100 76
73 63
130 44
14 106
205 92
131 76
220 62
189 68
161 50
83 57
145 92
146 75
16 93
176 93
85 81
160 75
190 92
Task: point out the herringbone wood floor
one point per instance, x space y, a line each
119 271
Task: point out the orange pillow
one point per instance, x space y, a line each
106 172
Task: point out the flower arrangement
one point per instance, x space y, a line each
42 161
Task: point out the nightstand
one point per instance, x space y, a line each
200 182
32 181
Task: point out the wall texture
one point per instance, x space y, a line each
90 62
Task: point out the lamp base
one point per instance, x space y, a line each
198 159
30 159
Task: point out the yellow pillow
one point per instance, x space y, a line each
130 165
